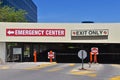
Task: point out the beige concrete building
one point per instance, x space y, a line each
17 40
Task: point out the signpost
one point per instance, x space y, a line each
82 54
51 55
94 51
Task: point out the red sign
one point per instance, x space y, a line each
94 50
35 32
51 55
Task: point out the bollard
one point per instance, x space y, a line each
90 57
51 60
95 58
35 56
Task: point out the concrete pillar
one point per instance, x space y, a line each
2 52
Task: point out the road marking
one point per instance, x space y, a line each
92 75
60 67
71 64
55 69
84 73
80 72
4 67
115 78
116 65
40 66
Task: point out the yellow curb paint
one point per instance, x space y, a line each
92 75
55 69
81 72
71 64
39 67
54 63
4 67
115 78
116 65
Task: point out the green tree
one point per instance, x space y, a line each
10 14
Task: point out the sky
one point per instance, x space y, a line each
76 11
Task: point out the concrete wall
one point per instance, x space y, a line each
2 52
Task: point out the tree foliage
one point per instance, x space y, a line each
10 14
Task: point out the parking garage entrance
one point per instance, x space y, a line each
64 52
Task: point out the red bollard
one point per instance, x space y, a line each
90 57
51 60
35 56
95 58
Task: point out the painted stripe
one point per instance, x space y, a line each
4 67
92 75
40 66
115 78
55 69
60 67
80 72
116 65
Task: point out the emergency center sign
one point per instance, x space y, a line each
35 32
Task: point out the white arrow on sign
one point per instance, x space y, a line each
10 32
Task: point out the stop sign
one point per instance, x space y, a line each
94 50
